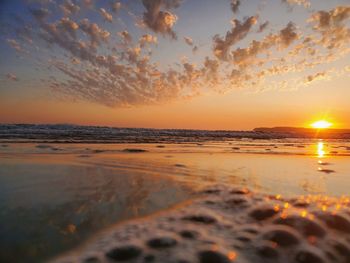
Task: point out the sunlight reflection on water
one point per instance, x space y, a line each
320 149
54 196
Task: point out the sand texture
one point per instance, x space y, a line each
230 225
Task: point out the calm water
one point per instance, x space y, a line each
54 196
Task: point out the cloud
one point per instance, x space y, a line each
331 20
125 36
97 67
317 76
263 26
288 34
107 16
69 26
88 3
123 88
147 39
40 14
160 21
116 6
248 56
304 3
332 28
133 54
188 41
96 34
211 70
69 8
63 34
15 45
11 76
238 32
235 5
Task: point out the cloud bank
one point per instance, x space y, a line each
101 58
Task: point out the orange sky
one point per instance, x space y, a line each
236 110
244 64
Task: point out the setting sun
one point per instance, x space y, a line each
322 124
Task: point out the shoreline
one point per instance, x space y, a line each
101 188
229 225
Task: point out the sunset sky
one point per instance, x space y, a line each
204 64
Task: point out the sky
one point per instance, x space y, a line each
196 64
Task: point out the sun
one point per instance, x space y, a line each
321 124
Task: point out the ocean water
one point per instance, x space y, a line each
54 196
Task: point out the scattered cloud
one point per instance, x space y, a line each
305 3
239 31
125 36
188 41
40 14
69 26
147 39
15 45
100 67
11 76
263 26
160 21
69 8
235 5
317 76
107 16
88 3
331 25
96 33
116 6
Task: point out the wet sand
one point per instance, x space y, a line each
54 197
230 225
51 203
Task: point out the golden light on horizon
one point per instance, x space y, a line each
321 124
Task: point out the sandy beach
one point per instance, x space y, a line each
230 225
59 197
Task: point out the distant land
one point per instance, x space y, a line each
66 133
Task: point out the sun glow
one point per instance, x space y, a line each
322 124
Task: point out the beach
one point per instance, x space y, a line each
61 196
230 225
174 131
